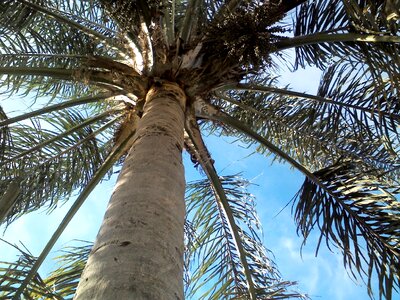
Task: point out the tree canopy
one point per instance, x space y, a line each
87 66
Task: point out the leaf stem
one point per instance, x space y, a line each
195 136
58 106
61 135
318 38
227 119
90 32
294 94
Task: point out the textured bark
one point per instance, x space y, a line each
138 253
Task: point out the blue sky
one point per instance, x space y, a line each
273 186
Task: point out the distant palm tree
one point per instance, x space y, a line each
135 82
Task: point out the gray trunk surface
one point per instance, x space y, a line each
138 253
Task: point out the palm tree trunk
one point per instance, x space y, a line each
138 253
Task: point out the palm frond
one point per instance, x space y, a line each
324 97
198 149
60 284
287 5
64 280
12 274
48 137
373 91
361 17
193 18
56 151
60 82
315 130
45 29
57 36
59 106
215 269
353 114
5 137
360 215
7 201
210 112
44 81
319 38
346 202
168 11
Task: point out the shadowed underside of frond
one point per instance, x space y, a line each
357 214
334 17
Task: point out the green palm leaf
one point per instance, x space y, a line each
213 259
200 152
64 279
5 137
374 93
56 139
44 84
45 29
12 274
363 17
312 133
62 105
358 214
346 202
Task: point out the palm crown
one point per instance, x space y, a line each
94 62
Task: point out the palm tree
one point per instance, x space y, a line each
133 83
